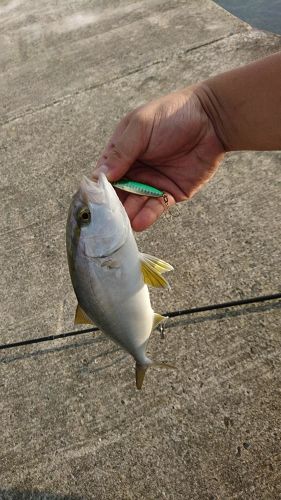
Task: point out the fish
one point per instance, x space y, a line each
110 276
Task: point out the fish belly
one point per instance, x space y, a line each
112 293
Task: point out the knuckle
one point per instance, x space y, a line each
141 118
116 153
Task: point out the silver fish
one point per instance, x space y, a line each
109 274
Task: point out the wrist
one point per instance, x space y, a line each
244 105
216 112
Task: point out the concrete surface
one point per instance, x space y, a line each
73 425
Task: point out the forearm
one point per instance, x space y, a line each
244 105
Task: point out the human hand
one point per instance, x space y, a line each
169 143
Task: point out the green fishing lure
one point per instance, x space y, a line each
138 188
141 189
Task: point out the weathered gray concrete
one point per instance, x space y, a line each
73 425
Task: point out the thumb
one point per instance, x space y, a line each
124 148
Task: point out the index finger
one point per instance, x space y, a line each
144 211
117 133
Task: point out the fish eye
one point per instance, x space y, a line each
84 216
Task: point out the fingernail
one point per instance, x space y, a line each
102 169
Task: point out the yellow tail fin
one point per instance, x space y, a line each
141 371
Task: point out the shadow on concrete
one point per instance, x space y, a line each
14 494
89 368
49 350
222 315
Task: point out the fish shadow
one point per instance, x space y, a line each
89 367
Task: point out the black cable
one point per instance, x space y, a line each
223 305
172 314
47 339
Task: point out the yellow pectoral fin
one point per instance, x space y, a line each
158 264
81 317
152 270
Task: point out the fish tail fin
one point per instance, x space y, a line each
140 373
141 370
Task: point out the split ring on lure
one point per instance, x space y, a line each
141 189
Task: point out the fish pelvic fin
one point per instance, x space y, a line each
81 317
152 269
141 371
157 319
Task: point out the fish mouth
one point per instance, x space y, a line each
93 191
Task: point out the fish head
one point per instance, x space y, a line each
97 224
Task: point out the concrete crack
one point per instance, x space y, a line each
138 69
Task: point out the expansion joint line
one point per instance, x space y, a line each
94 86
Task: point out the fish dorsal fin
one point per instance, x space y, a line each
152 270
81 317
157 319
